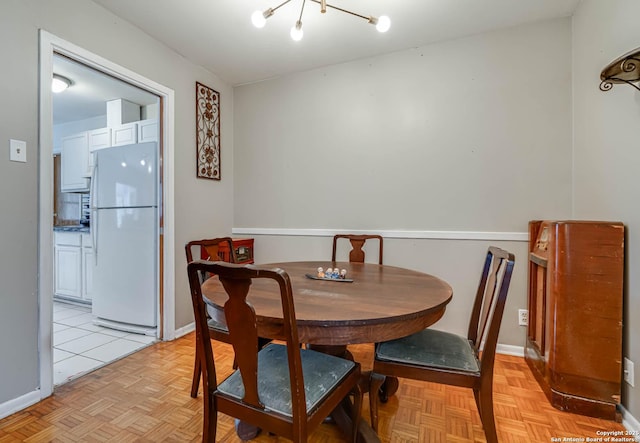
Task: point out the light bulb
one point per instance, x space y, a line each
296 31
59 83
258 19
384 23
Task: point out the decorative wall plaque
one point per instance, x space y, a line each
207 132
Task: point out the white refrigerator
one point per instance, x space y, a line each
124 230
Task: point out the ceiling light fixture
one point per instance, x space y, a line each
59 83
259 18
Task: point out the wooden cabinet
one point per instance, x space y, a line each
243 248
73 266
75 160
574 336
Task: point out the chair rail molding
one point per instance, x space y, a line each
427 235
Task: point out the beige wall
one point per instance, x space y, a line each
469 135
606 146
472 134
466 135
202 207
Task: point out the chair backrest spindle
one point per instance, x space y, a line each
357 255
488 307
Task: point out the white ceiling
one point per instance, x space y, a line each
90 90
218 35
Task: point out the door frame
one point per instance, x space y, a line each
49 44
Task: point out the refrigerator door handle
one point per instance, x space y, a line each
94 235
92 186
94 213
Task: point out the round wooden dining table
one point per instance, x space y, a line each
380 303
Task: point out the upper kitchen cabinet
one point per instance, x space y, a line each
75 160
148 130
125 134
135 132
98 139
122 116
77 151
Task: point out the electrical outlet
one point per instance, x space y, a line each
523 317
629 372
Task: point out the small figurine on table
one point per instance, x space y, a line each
321 272
343 273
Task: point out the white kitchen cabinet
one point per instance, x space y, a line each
78 150
74 163
67 271
73 266
67 265
148 130
124 134
98 139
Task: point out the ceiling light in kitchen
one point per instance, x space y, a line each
59 83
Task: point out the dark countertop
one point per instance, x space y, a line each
72 228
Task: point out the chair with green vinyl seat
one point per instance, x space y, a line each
280 388
442 357
208 249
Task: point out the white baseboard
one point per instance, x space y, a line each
630 423
185 330
24 401
517 351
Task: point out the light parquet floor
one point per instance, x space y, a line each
145 398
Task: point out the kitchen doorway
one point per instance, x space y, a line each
71 311
101 313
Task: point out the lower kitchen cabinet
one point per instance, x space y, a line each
73 266
67 265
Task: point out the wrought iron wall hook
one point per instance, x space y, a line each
625 69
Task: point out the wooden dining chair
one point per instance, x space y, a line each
280 388
442 357
208 249
356 254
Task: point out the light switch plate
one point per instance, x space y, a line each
17 151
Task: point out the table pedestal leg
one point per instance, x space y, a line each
246 431
341 416
343 413
388 388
